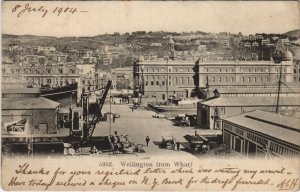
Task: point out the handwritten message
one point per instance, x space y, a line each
24 9
153 175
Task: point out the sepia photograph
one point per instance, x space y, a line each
150 95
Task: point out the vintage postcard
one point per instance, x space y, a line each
150 96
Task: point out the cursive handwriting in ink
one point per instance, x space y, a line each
20 10
288 184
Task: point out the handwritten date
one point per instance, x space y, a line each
21 10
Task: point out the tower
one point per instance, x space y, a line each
171 44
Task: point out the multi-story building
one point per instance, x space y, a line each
168 77
86 69
103 78
244 73
43 50
296 62
164 78
90 79
39 76
122 77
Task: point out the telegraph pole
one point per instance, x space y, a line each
279 87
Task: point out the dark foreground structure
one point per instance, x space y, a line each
263 134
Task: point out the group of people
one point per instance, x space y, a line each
122 100
177 143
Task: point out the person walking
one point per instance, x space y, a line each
178 145
147 140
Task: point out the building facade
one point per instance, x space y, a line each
162 79
39 76
210 113
243 73
263 134
40 114
122 78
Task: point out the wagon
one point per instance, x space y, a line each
197 143
168 142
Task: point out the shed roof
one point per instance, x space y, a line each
258 90
28 103
251 101
272 124
22 90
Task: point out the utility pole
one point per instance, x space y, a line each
167 81
279 87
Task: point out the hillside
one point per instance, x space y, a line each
293 34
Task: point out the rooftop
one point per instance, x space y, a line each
210 62
258 90
165 62
231 62
28 103
251 101
163 89
21 91
272 124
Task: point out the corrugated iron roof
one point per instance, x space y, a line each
28 103
251 101
258 90
21 90
272 124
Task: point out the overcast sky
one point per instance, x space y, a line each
124 16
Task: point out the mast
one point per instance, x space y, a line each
279 87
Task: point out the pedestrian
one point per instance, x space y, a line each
61 123
132 108
147 140
178 145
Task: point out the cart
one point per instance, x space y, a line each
197 143
168 142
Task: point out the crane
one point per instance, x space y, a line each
82 128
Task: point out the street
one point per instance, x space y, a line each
139 124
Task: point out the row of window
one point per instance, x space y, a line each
295 71
49 81
242 70
282 150
227 126
177 81
38 71
274 146
254 70
296 79
257 139
249 135
258 95
243 79
154 70
88 82
155 95
219 69
162 83
186 69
